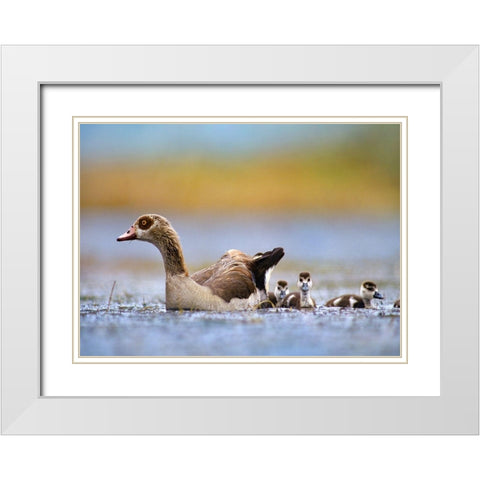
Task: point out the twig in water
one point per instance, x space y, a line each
111 293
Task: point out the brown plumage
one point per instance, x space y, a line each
294 300
232 276
235 282
272 298
397 303
348 300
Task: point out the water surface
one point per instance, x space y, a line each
339 252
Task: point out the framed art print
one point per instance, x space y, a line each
207 242
209 174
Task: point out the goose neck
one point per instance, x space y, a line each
367 302
169 245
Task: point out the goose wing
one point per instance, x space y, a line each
202 276
262 266
231 277
237 275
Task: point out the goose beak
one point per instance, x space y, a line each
305 287
282 294
377 294
130 234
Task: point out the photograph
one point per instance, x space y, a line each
240 239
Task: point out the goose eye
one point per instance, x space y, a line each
144 223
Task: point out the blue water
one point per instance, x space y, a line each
339 252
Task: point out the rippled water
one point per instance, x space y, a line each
339 253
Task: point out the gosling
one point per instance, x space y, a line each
368 291
276 297
301 299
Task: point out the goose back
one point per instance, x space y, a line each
348 300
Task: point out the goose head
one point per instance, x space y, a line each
369 290
304 282
148 228
157 230
281 290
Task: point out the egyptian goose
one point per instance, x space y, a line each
235 282
276 297
302 298
368 291
396 304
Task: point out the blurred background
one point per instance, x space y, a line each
329 194
237 168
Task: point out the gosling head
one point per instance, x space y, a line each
149 228
281 290
369 290
304 282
